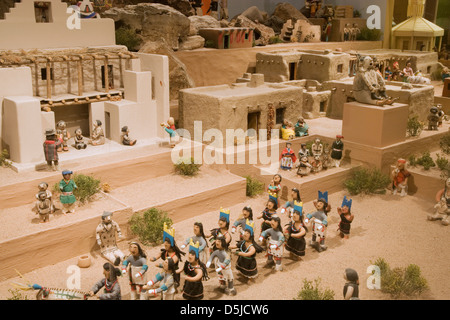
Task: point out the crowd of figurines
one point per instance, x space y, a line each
312 162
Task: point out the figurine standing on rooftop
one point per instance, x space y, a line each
224 9
63 134
214 9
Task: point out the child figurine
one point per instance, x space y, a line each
43 207
399 177
316 164
222 230
295 204
195 272
287 157
296 231
287 130
106 239
266 215
351 287
319 221
97 135
304 167
326 162
443 205
171 130
303 152
136 262
301 128
433 118
63 135
317 148
336 150
43 187
166 279
275 250
222 260
247 214
441 114
110 282
79 140
125 137
274 188
199 236
51 146
346 218
247 249
67 186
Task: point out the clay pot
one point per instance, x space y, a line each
84 261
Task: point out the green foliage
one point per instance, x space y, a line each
412 160
87 187
367 181
128 37
3 159
407 281
414 127
17 295
444 143
149 225
356 14
369 34
187 167
444 165
275 39
312 291
426 161
254 187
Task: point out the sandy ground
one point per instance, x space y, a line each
387 226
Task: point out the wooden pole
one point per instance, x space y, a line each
80 78
36 77
120 71
69 78
49 87
106 75
95 74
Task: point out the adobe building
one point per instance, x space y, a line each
228 38
300 31
50 72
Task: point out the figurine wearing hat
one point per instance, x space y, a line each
346 217
336 150
319 221
169 127
51 146
399 178
67 186
106 239
126 138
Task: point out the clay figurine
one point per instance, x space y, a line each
327 29
79 140
445 73
319 221
125 137
433 118
351 287
97 135
197 5
443 205
171 130
356 31
166 281
408 71
222 260
43 207
287 130
247 215
199 236
51 145
269 211
106 239
296 231
347 32
295 205
246 251
301 128
224 9
304 167
276 236
109 282
326 161
67 186
43 187
317 148
399 177
222 230
346 218
316 164
336 150
136 265
287 157
63 135
441 114
303 152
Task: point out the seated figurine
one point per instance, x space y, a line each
316 165
171 130
301 128
304 167
433 118
97 135
63 135
126 138
79 140
399 177
445 73
303 152
326 161
287 130
443 205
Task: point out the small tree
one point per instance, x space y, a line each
312 291
414 127
367 181
187 167
149 225
128 37
87 187
253 187
3 159
444 143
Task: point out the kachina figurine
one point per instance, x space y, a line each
287 157
51 146
97 135
125 138
399 177
199 236
275 250
346 218
63 135
433 118
351 287
304 151
304 167
166 279
443 205
110 282
67 186
336 150
43 187
319 221
295 205
222 260
106 239
247 214
296 231
317 148
79 140
301 128
171 130
136 265
43 207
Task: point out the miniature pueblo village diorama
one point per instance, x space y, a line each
224 150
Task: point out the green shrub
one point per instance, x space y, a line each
3 159
275 39
87 187
254 187
369 34
444 165
148 225
128 37
367 181
444 143
401 281
312 291
187 167
17 295
426 161
414 127
412 160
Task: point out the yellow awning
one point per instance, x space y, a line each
417 27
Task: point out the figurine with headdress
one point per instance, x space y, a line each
319 221
136 265
247 214
295 204
222 261
347 217
222 230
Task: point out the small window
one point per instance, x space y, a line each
280 115
246 36
429 69
44 73
340 67
42 11
405 45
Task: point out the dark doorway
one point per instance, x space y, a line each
292 71
226 41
